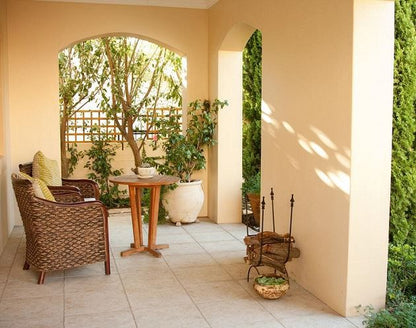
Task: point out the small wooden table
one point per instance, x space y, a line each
135 184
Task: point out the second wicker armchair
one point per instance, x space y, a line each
88 188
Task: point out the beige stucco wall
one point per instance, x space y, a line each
37 31
314 124
6 225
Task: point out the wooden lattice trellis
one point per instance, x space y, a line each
79 128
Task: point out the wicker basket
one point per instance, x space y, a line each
272 292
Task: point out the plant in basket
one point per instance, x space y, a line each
271 286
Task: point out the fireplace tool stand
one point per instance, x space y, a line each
268 248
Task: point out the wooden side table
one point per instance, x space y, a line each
135 184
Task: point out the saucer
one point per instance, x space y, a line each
145 176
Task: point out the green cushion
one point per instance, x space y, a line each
40 188
46 169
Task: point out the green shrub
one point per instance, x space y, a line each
252 184
402 316
145 202
100 156
403 180
401 291
252 72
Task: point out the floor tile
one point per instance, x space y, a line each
223 246
326 320
4 273
183 249
34 308
23 289
215 236
31 275
94 269
189 260
48 322
202 226
174 239
236 270
294 306
258 324
79 284
159 296
196 275
138 262
217 291
237 227
357 321
172 316
233 313
148 279
2 286
229 257
95 302
112 319
7 257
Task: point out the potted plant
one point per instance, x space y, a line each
251 188
184 154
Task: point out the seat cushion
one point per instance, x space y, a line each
46 169
40 188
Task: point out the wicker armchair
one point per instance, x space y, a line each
88 188
61 235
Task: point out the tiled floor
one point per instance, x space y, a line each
199 282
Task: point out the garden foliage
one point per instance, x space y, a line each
403 181
100 156
252 72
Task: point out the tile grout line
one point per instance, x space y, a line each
180 283
235 280
64 298
124 289
11 266
253 298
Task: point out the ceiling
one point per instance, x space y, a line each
200 4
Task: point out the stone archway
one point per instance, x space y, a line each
226 158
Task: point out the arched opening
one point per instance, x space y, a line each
251 158
115 89
226 169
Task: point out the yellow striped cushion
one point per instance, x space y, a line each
46 169
40 188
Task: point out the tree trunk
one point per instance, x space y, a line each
136 151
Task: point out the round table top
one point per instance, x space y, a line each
134 180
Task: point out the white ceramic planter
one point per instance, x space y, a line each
184 203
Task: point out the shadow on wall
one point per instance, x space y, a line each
318 144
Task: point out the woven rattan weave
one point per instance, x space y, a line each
61 235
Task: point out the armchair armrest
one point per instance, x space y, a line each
66 194
88 188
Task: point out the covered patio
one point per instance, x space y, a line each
326 137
